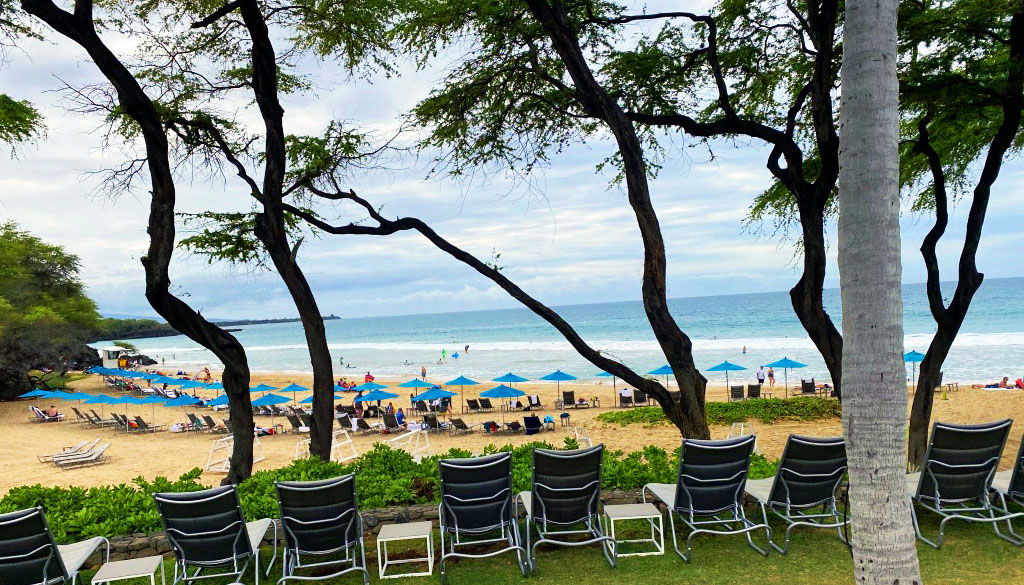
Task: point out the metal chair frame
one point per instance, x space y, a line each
53 556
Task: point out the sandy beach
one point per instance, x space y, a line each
171 454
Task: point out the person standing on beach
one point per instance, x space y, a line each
444 354
423 373
760 375
771 378
466 349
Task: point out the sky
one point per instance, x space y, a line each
566 237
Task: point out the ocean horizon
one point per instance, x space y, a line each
990 344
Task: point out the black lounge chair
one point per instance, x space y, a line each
432 423
754 391
472 405
390 424
477 509
807 388
363 427
533 425
809 475
144 427
956 478
321 519
565 500
485 405
79 417
206 530
707 496
639 398
197 425
30 556
421 407
513 427
534 401
1010 483
735 393
296 424
625 401
212 425
457 426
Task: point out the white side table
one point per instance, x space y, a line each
649 512
408 531
131 569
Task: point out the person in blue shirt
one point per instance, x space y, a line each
400 417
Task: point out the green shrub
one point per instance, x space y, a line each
384 477
766 411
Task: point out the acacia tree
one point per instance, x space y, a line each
962 92
870 272
20 121
80 26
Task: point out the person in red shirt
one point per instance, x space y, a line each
368 378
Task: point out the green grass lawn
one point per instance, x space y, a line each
971 555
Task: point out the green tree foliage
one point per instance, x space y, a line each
45 316
20 121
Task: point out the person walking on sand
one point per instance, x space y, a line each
423 373
760 375
771 378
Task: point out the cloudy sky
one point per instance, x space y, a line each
567 238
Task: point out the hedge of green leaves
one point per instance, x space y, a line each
768 410
384 477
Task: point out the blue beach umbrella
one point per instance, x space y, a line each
101 399
37 393
462 382
152 400
65 395
270 399
502 391
786 363
262 388
376 396
416 383
726 367
309 400
176 381
189 384
913 357
218 401
510 378
293 388
215 386
369 387
558 376
615 392
433 395
665 370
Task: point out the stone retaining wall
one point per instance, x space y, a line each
144 545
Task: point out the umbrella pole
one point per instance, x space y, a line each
785 372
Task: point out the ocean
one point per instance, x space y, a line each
990 344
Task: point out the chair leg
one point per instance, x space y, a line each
917 528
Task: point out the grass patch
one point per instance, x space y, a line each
971 555
55 379
766 410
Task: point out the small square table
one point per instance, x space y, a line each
408 531
131 569
647 511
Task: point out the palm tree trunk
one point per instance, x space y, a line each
875 405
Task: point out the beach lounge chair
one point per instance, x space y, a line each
754 391
1010 483
513 427
534 401
533 425
432 423
363 427
956 478
206 530
707 496
809 476
103 422
213 426
40 416
807 388
565 501
582 436
472 405
321 519
96 456
70 450
625 401
30 556
350 411
639 398
196 424
568 399
79 417
390 424
421 407
144 427
457 426
296 424
485 405
477 509
735 393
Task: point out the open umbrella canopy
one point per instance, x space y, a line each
164 380
665 370
603 375
99 399
294 388
416 383
174 381
369 387
502 391
309 400
262 388
726 366
187 384
558 376
65 395
219 401
786 363
37 393
433 395
270 400
461 381
152 400
510 378
183 400
913 357
375 395
126 400
215 386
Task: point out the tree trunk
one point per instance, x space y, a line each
884 547
270 229
807 299
79 27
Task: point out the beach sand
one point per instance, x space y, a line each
171 454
